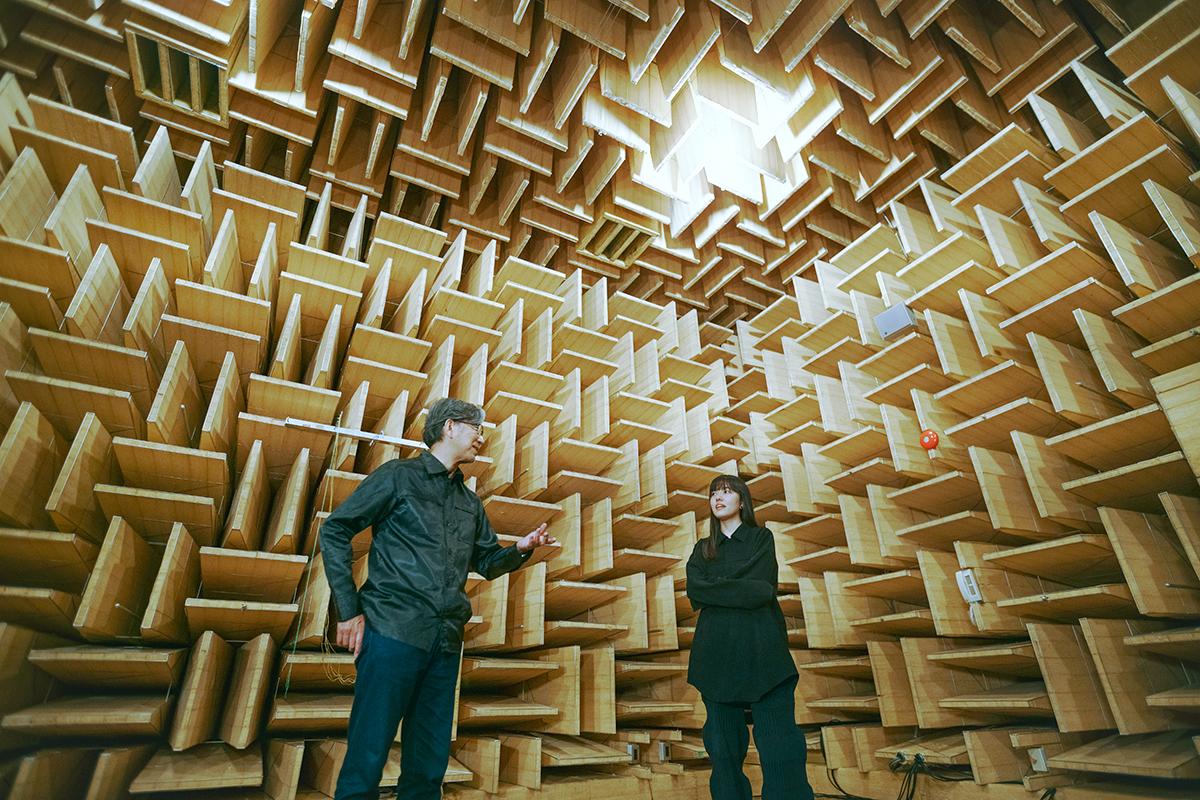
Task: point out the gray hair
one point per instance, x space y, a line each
449 408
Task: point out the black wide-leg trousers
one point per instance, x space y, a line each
781 749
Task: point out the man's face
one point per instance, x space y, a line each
466 439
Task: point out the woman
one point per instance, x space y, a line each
740 657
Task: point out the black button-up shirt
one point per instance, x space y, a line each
740 648
428 530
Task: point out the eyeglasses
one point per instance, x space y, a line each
477 427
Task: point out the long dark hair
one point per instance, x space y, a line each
708 546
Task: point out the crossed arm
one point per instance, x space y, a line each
751 586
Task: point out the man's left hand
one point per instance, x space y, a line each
536 538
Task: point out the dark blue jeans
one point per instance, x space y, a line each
781 749
398 682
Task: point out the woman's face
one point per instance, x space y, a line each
725 504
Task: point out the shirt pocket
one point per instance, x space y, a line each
730 562
464 514
462 525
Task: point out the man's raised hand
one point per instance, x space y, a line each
536 538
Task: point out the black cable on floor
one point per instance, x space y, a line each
833 779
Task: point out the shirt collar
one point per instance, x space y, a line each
435 467
739 533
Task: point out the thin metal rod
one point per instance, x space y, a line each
292 422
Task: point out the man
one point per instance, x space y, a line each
405 626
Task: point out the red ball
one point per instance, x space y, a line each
929 439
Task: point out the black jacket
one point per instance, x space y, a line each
428 529
740 648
